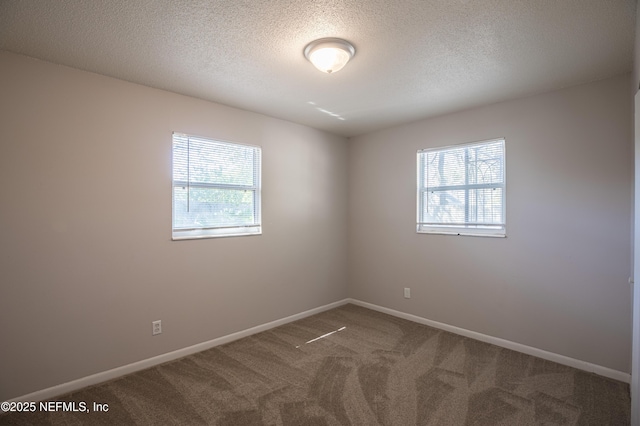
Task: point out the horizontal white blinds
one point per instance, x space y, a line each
215 184
462 186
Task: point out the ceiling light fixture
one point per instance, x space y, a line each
329 54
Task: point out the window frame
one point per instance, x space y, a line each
466 228
217 231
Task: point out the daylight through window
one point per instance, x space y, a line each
461 189
216 188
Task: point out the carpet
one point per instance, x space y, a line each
350 366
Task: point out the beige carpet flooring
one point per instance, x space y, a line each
351 366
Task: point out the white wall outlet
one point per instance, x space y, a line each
407 293
156 327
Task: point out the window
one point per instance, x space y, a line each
461 189
216 188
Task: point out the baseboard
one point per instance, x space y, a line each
518 347
114 373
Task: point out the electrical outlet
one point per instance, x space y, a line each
407 293
157 327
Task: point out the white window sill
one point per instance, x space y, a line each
466 232
216 233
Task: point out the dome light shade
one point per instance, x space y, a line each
329 54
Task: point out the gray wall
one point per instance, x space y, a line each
558 282
86 257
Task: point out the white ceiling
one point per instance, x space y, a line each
414 58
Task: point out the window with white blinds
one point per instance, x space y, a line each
461 189
216 188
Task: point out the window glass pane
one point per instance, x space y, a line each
465 165
485 163
445 168
485 205
205 161
212 162
211 207
444 207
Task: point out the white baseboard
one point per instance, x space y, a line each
114 373
518 347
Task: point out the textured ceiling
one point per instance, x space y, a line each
414 58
